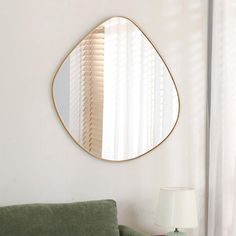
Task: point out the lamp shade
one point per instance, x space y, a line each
177 208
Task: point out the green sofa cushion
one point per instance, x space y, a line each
127 231
92 218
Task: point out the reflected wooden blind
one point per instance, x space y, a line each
91 74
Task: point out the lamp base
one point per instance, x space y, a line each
176 234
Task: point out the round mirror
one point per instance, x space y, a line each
114 93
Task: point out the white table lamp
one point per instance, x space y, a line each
177 209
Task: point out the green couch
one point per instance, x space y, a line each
92 218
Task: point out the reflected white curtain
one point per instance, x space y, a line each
222 160
135 81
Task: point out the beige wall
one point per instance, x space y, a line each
38 160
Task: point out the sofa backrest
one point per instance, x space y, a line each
92 218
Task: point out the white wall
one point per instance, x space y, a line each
40 163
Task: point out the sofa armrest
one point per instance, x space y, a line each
126 231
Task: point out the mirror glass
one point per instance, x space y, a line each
114 94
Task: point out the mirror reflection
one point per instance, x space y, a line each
114 94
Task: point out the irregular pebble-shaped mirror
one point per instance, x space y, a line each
114 93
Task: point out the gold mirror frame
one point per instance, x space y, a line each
61 120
